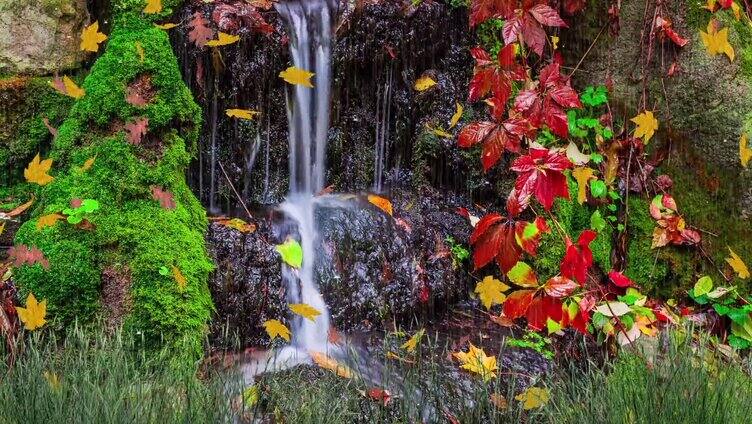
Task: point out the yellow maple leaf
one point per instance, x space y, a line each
33 314
295 75
88 164
738 265
745 153
533 397
381 202
91 38
70 88
179 278
167 25
305 310
646 125
153 6
223 39
424 83
456 117
491 291
716 42
241 113
582 175
331 364
412 343
476 361
48 220
37 171
274 328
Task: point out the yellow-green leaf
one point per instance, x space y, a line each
33 315
745 153
491 291
294 75
305 310
274 328
523 275
167 25
223 39
179 278
251 396
533 397
424 83
291 252
703 286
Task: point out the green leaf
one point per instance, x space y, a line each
291 252
552 326
598 188
75 219
703 286
597 222
596 158
164 271
89 205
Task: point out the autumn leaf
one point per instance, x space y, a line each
456 117
424 83
439 132
88 163
27 255
578 257
738 265
745 153
19 209
199 32
238 224
37 171
304 310
223 39
703 286
476 361
328 363
291 252
32 316
613 309
153 6
179 278
526 25
582 175
620 280
491 291
646 125
411 344
48 220
164 197
716 42
166 26
275 328
297 76
136 130
542 310
495 136
67 87
495 76
540 173
241 113
560 286
517 303
379 395
533 397
381 202
523 275
546 103
91 38
53 380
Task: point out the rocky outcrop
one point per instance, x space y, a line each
41 36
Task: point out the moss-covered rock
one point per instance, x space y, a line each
130 231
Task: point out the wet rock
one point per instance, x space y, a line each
41 36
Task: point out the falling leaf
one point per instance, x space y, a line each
456 117
140 51
165 198
716 42
48 220
53 380
91 38
381 202
274 328
33 314
153 6
136 130
533 397
613 309
165 26
305 311
223 39
327 363
646 125
491 291
738 265
294 75
499 401
88 164
424 83
582 175
745 153
291 252
703 286
412 343
179 278
37 171
238 224
241 113
476 361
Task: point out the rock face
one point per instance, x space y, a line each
40 36
372 268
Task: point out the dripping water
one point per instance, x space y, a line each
383 117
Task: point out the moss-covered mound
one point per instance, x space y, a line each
112 267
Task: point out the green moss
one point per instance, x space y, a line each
489 36
130 229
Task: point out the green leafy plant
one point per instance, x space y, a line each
727 302
78 214
459 253
534 341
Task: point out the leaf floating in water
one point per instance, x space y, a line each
91 38
533 397
274 328
292 253
330 364
424 83
33 314
223 39
456 117
241 113
37 171
305 310
295 75
381 202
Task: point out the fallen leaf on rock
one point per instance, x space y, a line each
533 397
381 202
475 360
647 124
305 310
241 113
297 76
37 171
738 265
424 83
456 117
91 38
328 363
238 224
491 291
274 328
32 316
223 39
716 42
199 33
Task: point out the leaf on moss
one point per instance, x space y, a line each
647 124
136 130
48 220
88 164
19 209
738 265
91 38
745 153
27 255
153 6
715 41
179 278
37 171
67 87
166 26
164 197
582 175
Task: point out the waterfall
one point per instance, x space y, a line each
310 29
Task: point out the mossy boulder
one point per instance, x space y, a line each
111 266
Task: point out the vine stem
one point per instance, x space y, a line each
240 199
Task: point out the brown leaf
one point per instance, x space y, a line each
24 255
164 197
20 209
136 130
199 34
50 128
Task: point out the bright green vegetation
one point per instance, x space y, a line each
113 267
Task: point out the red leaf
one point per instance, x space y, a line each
526 25
494 238
546 103
199 33
496 138
529 234
133 97
546 15
560 286
25 255
379 395
578 258
573 6
164 197
620 280
136 130
725 3
483 10
541 309
540 174
517 303
495 76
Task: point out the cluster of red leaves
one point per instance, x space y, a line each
25 255
233 18
505 240
671 229
539 304
545 104
540 174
